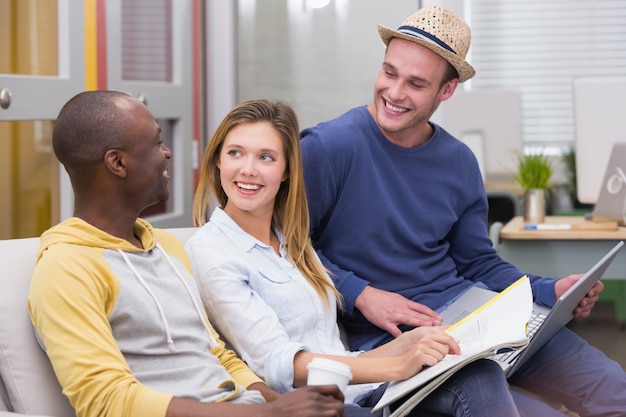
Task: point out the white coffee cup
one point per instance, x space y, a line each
324 371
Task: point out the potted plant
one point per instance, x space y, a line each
534 175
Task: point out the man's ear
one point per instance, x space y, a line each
114 161
448 89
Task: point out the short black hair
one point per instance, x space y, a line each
87 126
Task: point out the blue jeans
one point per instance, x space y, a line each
569 371
356 411
477 390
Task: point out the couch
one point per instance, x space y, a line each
27 383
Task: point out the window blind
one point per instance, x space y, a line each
538 47
146 40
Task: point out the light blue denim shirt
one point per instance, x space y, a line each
262 304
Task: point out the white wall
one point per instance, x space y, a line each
221 65
321 61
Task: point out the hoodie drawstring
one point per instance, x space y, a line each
199 311
168 334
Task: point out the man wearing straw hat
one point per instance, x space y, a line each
399 216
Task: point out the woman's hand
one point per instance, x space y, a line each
405 341
431 346
405 356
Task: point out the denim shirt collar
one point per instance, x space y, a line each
236 234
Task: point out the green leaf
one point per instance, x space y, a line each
534 171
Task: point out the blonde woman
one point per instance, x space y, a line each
266 290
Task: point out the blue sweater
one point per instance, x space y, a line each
408 220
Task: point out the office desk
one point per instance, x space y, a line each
558 253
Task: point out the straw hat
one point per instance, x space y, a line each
439 30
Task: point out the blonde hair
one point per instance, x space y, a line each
291 211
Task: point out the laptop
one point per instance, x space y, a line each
545 321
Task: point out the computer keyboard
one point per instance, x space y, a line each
536 319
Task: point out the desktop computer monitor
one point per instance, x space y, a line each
490 123
600 122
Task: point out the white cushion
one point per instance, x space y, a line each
30 383
182 233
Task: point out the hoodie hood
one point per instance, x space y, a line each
76 231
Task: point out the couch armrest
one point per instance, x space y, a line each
28 384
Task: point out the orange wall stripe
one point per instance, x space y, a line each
91 58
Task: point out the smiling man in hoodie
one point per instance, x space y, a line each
112 299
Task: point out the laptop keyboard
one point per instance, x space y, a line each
510 355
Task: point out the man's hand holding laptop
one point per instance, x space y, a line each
586 304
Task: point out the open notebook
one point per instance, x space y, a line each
501 322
